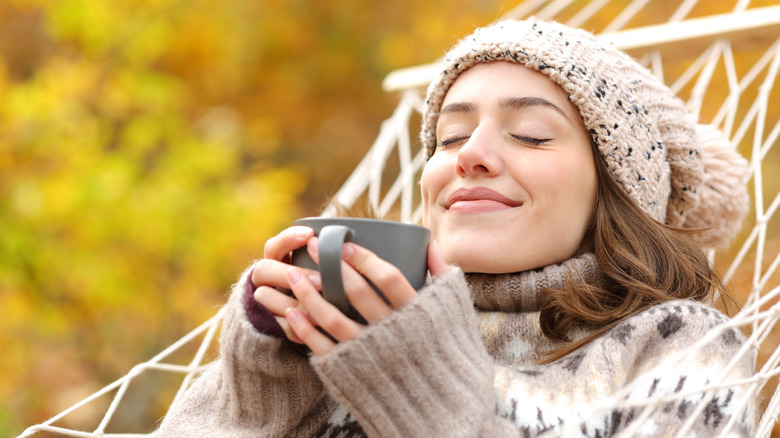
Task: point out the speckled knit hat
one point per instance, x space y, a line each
648 141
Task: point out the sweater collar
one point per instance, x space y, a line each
522 291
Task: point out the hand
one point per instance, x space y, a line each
357 262
270 275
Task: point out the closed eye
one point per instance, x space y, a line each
530 141
451 142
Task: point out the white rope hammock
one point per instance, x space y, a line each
725 65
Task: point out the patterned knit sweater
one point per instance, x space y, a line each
437 367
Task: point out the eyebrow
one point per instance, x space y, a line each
513 103
458 107
523 102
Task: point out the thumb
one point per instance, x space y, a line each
436 263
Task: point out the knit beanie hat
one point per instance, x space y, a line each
678 172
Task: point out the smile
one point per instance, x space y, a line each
479 200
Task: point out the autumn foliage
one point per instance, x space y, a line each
148 148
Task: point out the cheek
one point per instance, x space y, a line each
580 190
576 174
571 187
425 189
428 196
547 181
435 176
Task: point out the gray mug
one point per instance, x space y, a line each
403 245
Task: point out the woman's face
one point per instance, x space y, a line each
512 184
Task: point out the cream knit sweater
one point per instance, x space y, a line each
437 367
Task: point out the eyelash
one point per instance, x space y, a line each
529 140
444 143
526 141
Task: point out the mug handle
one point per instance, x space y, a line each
332 238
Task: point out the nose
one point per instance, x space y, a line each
479 156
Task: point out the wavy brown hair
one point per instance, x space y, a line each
642 263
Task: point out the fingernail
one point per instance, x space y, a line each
294 276
348 250
314 245
293 316
315 280
436 248
303 232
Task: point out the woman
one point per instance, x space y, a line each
553 163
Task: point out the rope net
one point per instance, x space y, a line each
722 58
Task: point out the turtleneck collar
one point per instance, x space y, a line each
522 291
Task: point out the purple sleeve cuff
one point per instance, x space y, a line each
262 319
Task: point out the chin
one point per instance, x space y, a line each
483 261
475 251
495 269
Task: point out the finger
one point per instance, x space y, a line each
387 278
322 312
436 263
276 302
302 328
315 278
273 273
288 331
279 246
359 292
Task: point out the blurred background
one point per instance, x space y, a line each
148 148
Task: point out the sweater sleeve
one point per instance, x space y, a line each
260 385
260 317
423 371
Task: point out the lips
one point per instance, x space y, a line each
480 194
